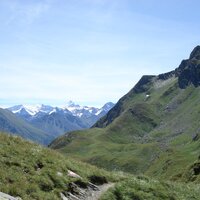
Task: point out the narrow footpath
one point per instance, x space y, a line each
95 195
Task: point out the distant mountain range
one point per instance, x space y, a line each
29 111
44 123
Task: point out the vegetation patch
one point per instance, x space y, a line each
138 188
31 172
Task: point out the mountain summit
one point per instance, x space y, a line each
28 111
195 53
189 70
70 103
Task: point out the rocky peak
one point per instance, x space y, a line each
188 71
70 103
195 53
166 76
108 106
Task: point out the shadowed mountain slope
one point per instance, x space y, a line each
14 125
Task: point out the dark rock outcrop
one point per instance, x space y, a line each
143 83
4 196
195 53
188 71
196 168
167 75
196 137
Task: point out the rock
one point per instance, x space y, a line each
38 166
59 174
195 53
197 169
63 197
73 174
196 137
90 192
4 196
167 75
93 186
188 71
72 197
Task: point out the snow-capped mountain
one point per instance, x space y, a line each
89 115
28 111
85 111
56 121
105 109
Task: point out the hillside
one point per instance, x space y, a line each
14 125
32 172
154 129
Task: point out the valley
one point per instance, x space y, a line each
146 146
99 100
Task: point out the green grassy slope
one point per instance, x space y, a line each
14 125
144 188
150 130
32 172
138 142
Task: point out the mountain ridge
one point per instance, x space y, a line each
187 73
74 109
148 129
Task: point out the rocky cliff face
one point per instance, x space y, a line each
167 75
188 71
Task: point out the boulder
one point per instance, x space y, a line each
4 196
73 174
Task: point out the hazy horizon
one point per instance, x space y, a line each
89 51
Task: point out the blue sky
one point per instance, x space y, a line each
90 51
